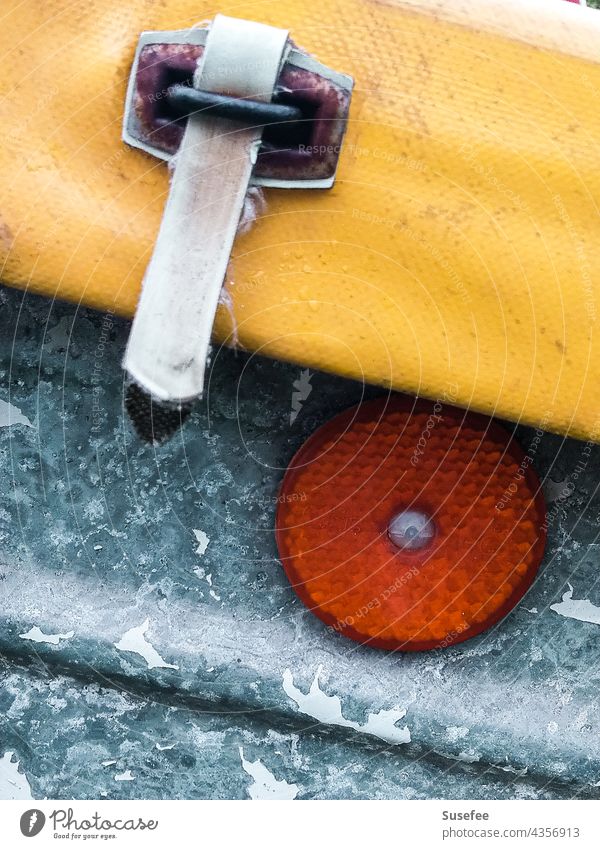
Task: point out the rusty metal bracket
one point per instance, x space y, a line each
301 152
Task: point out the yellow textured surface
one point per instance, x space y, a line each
457 254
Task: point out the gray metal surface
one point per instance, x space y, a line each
155 640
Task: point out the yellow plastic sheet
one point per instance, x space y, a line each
457 255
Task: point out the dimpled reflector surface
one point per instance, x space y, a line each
355 474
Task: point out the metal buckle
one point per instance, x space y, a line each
186 101
325 92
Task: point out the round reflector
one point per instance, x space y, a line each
409 524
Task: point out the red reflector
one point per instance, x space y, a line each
410 525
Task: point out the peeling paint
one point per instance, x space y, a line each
124 776
11 415
577 608
202 539
13 784
456 732
37 636
135 641
328 710
469 756
513 769
265 785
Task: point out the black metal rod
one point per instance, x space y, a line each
188 101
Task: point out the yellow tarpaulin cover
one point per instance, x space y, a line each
457 255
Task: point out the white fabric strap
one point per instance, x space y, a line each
170 336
